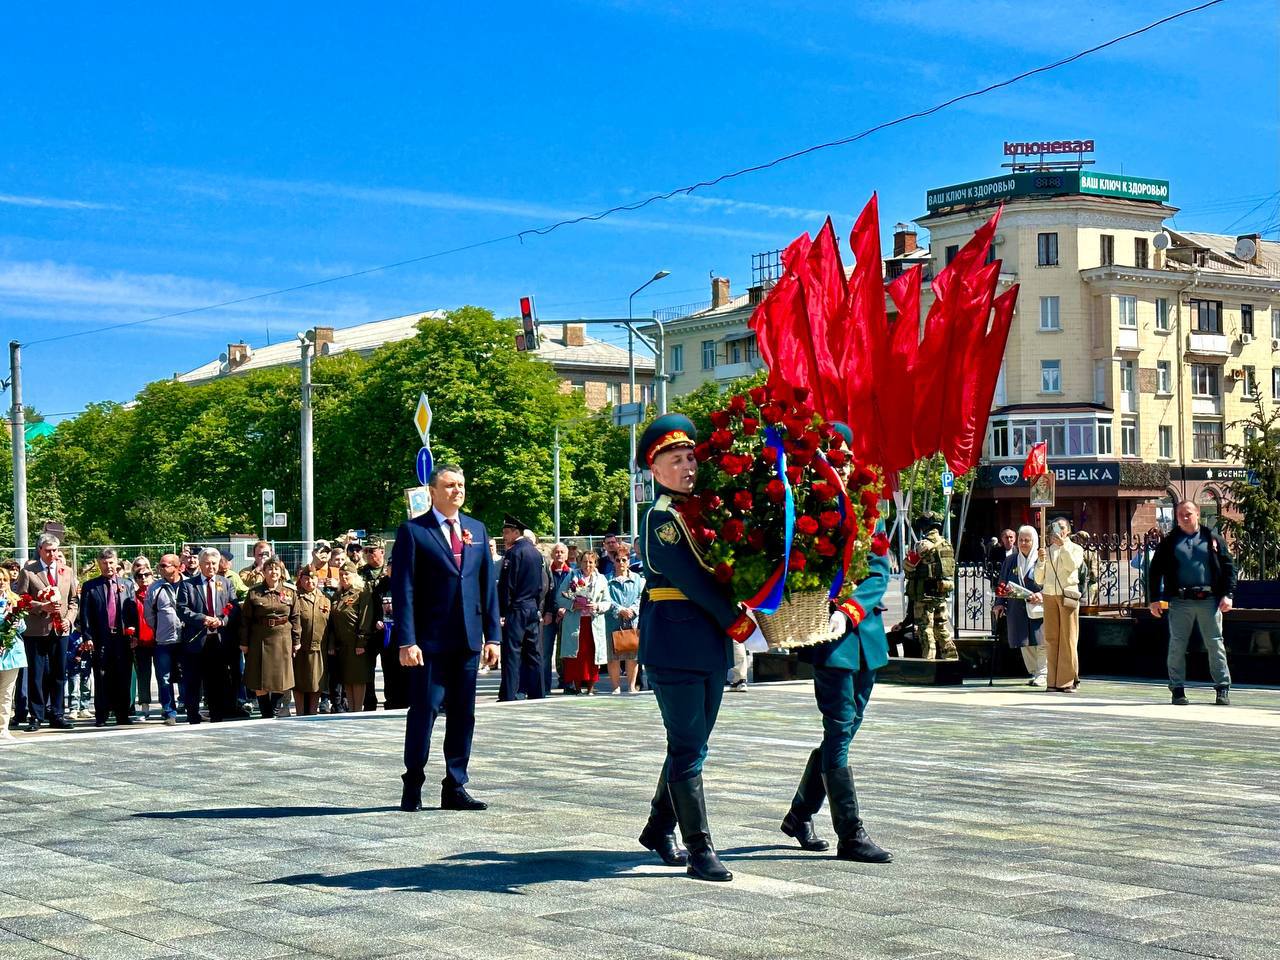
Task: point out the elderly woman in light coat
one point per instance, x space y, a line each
1024 618
625 588
1058 570
583 645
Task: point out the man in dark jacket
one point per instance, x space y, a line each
103 601
521 588
1193 571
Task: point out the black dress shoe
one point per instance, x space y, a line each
33 726
61 723
125 722
99 723
457 798
411 799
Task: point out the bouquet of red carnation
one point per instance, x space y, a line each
780 512
13 619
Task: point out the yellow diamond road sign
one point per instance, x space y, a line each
422 419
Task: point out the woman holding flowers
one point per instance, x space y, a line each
13 656
585 599
1020 602
687 621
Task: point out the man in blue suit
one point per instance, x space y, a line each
446 624
844 672
205 604
103 602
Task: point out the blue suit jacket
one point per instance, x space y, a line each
193 606
93 607
427 589
866 644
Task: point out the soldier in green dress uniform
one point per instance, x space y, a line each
930 567
269 636
687 622
844 673
349 628
308 663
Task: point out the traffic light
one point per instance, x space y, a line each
528 340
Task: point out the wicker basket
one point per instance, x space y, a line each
802 620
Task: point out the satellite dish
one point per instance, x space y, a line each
222 358
1161 241
1246 248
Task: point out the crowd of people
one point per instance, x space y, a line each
195 640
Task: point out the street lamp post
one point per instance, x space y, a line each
631 374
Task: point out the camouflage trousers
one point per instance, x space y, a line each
932 621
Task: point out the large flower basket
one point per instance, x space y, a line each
803 620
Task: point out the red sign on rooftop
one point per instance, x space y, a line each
1039 147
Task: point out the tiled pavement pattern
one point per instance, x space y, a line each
1025 825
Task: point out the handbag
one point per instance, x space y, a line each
626 641
1070 595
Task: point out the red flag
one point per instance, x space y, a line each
965 446
1037 464
904 342
866 347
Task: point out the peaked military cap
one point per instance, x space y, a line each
665 433
844 431
509 521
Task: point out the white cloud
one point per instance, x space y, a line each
54 203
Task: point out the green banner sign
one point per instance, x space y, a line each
1047 183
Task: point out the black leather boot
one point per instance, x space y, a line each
659 834
798 822
691 814
411 796
854 843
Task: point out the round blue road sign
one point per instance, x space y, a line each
424 465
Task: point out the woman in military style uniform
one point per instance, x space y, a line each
687 622
308 663
349 625
269 635
844 671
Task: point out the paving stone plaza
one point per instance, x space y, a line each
1108 824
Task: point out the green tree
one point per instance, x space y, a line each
1254 522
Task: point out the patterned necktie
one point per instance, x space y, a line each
208 588
111 607
455 543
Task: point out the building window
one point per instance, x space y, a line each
1206 315
991 254
1100 381
1104 438
1246 318
1162 313
611 393
708 354
677 358
1164 376
1000 438
1128 311
646 393
1129 438
1140 256
951 253
1275 323
1205 380
1206 439
1047 249
1066 436
1166 442
1275 384
1050 376
1001 397
1107 254
1250 380
1049 314
1129 386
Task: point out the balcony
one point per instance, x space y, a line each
1208 344
1127 339
732 371
1207 406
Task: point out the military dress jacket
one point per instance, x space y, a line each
686 616
269 627
308 662
865 644
349 630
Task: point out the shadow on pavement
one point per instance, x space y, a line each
258 813
489 871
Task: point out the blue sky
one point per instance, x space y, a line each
157 159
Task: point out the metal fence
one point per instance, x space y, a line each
81 555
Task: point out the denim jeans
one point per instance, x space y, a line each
1183 614
164 658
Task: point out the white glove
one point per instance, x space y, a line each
839 625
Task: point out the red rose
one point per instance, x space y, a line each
721 439
794 474
772 412
869 498
824 491
738 404
713 502
796 426
720 418
802 457
798 560
879 544
743 500
758 395
811 439
873 514
837 458
734 465
825 547
807 525
749 426
863 475
829 519
707 536
733 530
775 490
692 508
724 572
755 539
702 452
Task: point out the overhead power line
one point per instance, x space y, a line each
520 235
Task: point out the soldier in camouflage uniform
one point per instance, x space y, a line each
930 568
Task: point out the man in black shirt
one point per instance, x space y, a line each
1192 569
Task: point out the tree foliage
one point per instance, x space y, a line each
187 462
1254 523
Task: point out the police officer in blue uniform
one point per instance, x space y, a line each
687 622
844 671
